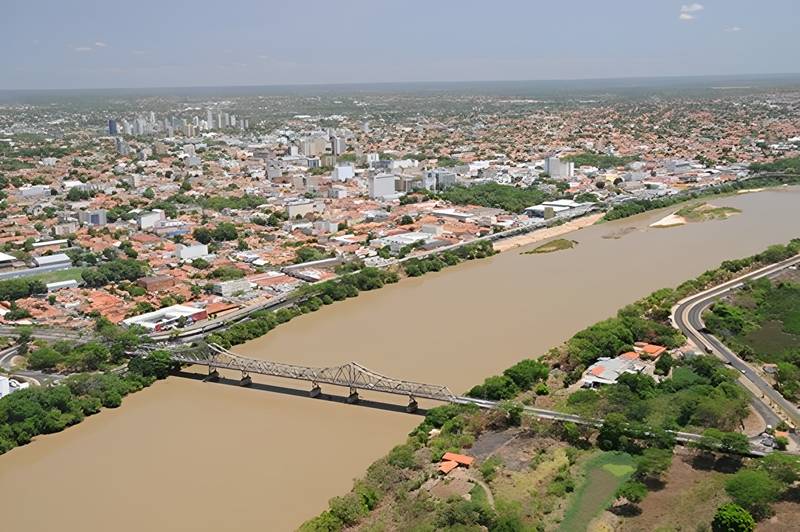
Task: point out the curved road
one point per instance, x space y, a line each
687 315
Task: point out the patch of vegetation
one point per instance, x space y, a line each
762 323
701 212
789 165
506 197
554 245
439 261
38 410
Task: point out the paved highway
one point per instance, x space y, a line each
687 315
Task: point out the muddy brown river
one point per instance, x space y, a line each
188 455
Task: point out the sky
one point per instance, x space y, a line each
71 44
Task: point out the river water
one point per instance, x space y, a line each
188 455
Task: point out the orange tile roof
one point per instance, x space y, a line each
630 355
653 350
446 467
459 458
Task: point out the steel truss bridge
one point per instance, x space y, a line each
351 375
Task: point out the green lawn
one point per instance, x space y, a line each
603 475
60 275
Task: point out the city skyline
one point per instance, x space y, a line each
91 45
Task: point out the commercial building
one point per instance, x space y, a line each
58 259
299 208
548 209
398 242
155 283
167 317
61 285
381 186
343 172
192 251
148 220
9 386
6 260
231 288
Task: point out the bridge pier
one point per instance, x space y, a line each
213 375
316 391
412 405
353 397
246 380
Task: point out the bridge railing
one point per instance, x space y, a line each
351 375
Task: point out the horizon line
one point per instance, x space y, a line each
407 82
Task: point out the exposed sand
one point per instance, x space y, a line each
544 234
670 220
748 190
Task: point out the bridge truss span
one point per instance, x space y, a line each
351 375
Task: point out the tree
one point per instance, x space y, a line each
513 412
664 364
612 432
324 522
406 220
731 517
526 372
784 468
653 462
202 235
348 508
754 490
224 232
631 491
44 358
149 193
495 388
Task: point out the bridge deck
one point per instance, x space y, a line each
351 375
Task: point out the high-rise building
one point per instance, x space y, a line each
122 146
96 217
381 186
209 119
439 179
338 145
112 128
555 167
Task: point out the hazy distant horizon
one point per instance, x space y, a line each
630 82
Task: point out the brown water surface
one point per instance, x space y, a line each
187 455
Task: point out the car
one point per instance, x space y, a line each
743 370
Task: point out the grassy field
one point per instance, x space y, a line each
604 474
60 275
553 245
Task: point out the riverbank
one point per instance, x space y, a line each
379 497
550 232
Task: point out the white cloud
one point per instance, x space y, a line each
691 8
686 16
100 44
733 29
83 49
